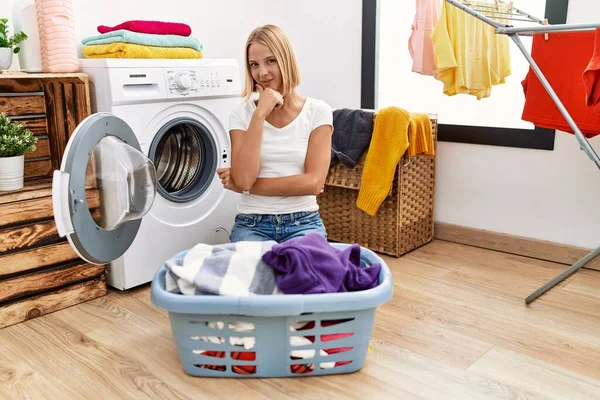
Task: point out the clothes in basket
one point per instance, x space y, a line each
309 265
305 265
230 269
339 325
295 341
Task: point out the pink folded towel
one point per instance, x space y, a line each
152 27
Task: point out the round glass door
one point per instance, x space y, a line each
103 189
184 153
125 181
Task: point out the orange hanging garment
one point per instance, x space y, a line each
563 59
591 76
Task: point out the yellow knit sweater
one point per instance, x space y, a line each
420 140
388 143
395 132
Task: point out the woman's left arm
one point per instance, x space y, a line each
316 166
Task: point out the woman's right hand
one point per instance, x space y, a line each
227 180
269 99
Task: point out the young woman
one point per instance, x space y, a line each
281 146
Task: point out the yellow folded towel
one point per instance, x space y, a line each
133 50
388 143
420 138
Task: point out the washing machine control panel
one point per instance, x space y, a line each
205 81
182 82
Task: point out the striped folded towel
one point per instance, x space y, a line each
230 269
132 50
146 39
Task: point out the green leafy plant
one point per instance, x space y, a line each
12 41
15 139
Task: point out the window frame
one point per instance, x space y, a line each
537 138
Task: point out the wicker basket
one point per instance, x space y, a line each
404 220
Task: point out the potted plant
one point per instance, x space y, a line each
15 142
8 45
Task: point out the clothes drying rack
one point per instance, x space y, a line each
490 12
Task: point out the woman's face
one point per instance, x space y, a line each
264 67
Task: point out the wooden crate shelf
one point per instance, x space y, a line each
39 271
51 106
35 263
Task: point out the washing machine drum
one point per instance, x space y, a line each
185 155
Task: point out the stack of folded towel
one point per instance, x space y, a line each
143 39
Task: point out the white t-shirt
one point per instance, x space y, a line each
283 152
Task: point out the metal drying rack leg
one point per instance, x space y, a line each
562 276
513 33
585 146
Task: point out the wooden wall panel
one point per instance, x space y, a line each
22 286
20 85
22 105
36 258
26 236
42 150
32 235
33 189
24 212
39 271
32 307
35 169
37 126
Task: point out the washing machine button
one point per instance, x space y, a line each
184 82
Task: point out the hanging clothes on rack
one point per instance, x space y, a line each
591 75
574 50
470 58
514 33
419 43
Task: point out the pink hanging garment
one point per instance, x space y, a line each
419 43
56 28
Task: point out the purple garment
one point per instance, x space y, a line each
309 265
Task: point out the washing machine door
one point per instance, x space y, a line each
104 188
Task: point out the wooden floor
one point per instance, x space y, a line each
456 328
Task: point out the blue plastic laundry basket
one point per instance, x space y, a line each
273 321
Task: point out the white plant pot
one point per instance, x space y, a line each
11 173
6 57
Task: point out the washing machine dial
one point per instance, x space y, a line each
184 82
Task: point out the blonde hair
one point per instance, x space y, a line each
274 38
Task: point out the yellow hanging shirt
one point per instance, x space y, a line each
470 57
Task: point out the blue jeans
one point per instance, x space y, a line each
279 227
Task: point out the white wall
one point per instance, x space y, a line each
329 56
539 194
547 195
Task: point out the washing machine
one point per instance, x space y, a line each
138 179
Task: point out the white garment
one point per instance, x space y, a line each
228 269
283 152
249 342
